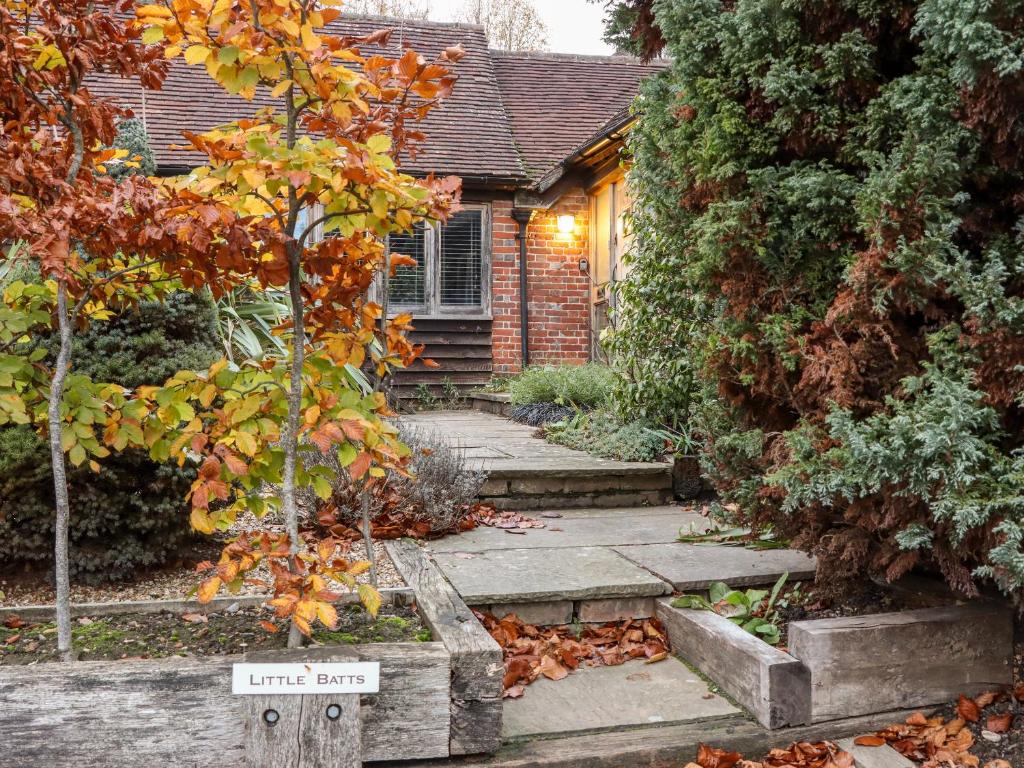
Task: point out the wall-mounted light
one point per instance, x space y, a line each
566 224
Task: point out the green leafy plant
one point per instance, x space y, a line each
578 386
602 434
734 537
754 610
246 321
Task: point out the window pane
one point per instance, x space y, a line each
409 285
461 259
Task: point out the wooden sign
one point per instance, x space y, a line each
305 678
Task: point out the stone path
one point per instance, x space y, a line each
525 472
601 698
609 548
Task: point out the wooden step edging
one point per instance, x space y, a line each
847 667
477 664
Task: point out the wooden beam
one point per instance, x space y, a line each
477 663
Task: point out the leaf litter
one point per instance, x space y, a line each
930 742
554 652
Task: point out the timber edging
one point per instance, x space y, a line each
476 659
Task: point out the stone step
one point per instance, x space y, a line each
499 403
532 486
510 576
695 567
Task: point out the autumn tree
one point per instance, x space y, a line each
393 9
313 171
830 201
76 221
511 25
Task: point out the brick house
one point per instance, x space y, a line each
536 139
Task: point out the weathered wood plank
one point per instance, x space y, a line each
906 659
330 742
180 711
477 662
273 743
476 726
772 685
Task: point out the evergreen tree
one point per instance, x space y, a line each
830 238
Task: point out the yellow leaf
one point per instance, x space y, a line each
280 88
201 520
196 54
310 40
246 443
312 415
327 614
370 598
152 10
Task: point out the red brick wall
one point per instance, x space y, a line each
559 293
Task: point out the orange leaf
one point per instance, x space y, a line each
869 741
967 709
552 669
999 723
208 589
269 626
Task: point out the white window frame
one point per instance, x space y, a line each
432 307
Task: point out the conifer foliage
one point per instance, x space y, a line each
830 235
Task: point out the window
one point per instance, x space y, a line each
452 272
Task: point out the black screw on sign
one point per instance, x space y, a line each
271 717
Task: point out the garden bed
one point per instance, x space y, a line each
233 629
437 697
846 666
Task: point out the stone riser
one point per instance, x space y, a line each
596 611
525 493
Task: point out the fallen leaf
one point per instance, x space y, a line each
552 669
917 718
967 709
13 639
516 531
1018 692
657 657
710 757
999 723
984 699
14 622
998 763
869 741
195 618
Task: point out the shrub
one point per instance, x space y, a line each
831 239
579 386
601 434
439 493
133 513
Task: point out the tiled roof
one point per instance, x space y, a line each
558 101
511 116
469 135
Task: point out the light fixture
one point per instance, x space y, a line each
566 223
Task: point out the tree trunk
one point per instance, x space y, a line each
60 480
291 435
368 535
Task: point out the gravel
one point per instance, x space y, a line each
172 583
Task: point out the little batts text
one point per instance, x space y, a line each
301 681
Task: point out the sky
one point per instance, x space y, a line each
574 26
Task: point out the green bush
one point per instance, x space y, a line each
601 434
829 249
581 386
133 513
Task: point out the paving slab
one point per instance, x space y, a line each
523 454
533 575
698 566
604 698
874 757
625 526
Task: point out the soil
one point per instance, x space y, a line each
160 635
